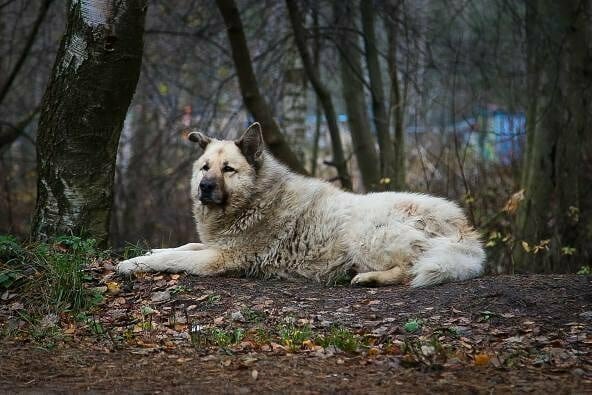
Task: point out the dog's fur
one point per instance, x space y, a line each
256 217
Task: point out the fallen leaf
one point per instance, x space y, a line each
482 359
161 296
372 352
308 344
113 288
428 350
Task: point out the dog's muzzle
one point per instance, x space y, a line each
209 193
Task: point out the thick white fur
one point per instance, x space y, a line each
277 223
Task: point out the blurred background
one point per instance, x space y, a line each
448 97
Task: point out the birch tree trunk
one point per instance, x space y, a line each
93 80
294 105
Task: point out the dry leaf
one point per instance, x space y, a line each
372 352
113 288
514 201
481 359
308 344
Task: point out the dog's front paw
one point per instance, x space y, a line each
364 279
130 266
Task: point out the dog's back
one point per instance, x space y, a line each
308 228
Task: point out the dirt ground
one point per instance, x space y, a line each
170 333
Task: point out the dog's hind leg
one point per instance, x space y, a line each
186 247
396 275
204 263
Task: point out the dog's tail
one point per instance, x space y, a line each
449 259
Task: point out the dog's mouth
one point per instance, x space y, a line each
208 200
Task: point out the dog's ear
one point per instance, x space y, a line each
251 143
200 138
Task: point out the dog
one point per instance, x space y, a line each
257 218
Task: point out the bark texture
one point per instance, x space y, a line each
549 216
321 92
353 94
93 80
388 169
249 87
397 102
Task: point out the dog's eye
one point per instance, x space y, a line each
205 167
228 169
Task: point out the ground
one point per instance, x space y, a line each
170 333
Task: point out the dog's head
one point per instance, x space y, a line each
226 172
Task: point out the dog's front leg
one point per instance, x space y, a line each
186 247
206 262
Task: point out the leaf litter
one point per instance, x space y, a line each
506 332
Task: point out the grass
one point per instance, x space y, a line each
51 279
342 339
132 250
253 316
223 338
292 336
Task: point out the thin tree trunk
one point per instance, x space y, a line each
9 133
249 87
317 65
294 105
322 93
83 110
388 169
353 95
27 48
397 105
533 80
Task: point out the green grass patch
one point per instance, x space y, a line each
49 279
292 336
342 339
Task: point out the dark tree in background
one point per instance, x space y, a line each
253 99
352 85
321 91
549 219
93 80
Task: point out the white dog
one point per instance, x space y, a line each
257 218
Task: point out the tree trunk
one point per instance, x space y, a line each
93 80
322 93
532 82
294 104
388 170
249 87
353 94
570 231
550 211
316 51
397 104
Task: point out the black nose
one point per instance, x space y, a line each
207 186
